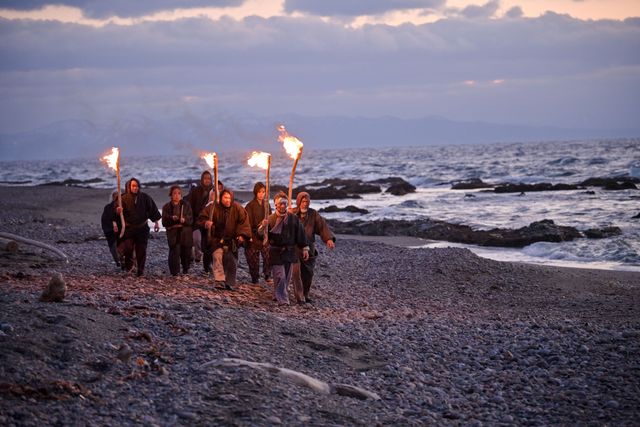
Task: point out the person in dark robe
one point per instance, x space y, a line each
177 219
138 208
198 198
257 246
227 228
285 235
111 225
313 224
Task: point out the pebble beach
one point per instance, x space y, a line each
399 336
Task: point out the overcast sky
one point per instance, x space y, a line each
568 63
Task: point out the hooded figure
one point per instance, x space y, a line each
285 235
198 198
313 224
225 231
256 246
177 219
111 225
137 208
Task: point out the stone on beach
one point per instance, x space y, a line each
55 290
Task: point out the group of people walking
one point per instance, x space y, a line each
200 227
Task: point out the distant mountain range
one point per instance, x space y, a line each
142 136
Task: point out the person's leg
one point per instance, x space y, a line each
197 252
125 247
280 284
266 262
218 267
253 261
140 243
230 264
306 274
298 290
185 257
174 259
207 252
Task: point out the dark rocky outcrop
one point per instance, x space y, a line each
601 233
543 186
74 182
540 231
324 193
352 186
612 184
350 209
470 184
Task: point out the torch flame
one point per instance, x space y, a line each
111 159
291 144
260 159
209 158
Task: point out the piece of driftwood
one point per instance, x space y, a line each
26 241
8 245
299 378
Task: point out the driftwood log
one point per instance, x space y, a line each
299 378
8 245
26 241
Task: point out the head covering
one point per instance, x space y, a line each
202 175
226 190
257 187
128 184
302 195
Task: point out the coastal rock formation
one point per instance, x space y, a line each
543 186
612 184
350 209
470 184
539 231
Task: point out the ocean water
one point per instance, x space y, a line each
431 169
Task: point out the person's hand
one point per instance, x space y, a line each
181 220
118 210
265 222
305 254
115 228
330 244
174 217
208 225
156 227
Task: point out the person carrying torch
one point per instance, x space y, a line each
177 220
228 226
285 234
259 209
137 208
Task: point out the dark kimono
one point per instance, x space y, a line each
179 235
137 210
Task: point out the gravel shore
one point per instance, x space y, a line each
441 336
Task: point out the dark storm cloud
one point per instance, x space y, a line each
556 68
487 10
122 8
357 7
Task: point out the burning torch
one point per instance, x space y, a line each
263 161
293 147
212 161
113 161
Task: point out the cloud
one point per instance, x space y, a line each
487 10
53 70
123 8
514 12
357 7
